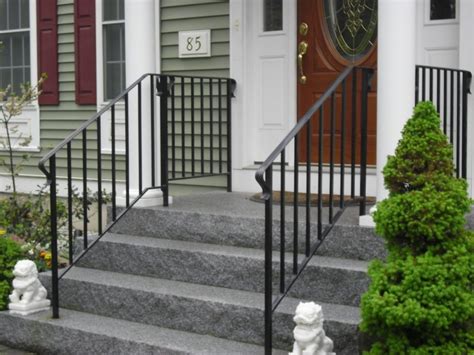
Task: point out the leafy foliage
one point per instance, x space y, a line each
10 253
12 105
421 299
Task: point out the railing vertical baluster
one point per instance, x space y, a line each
458 123
127 153
363 140
183 129
114 177
140 154
219 82
320 172
423 86
309 136
201 87
417 84
99 175
54 238
163 89
84 188
69 203
431 84
354 131
268 259
331 157
229 134
173 133
152 131
343 143
211 123
466 82
282 222
445 102
295 208
451 103
438 91
193 153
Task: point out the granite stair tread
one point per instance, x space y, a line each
332 312
215 249
80 333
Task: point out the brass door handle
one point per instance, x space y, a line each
302 49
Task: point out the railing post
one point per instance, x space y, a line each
230 94
366 75
466 89
163 93
54 238
268 195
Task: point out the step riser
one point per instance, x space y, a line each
232 322
46 338
340 286
351 242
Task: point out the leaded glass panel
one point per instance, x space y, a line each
352 25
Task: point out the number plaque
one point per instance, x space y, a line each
194 44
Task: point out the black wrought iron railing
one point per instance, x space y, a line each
343 108
190 135
448 89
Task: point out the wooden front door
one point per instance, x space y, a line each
336 34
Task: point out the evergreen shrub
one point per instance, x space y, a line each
421 299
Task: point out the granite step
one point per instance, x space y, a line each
220 312
348 241
332 280
77 333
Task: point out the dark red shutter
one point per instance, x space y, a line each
84 33
48 50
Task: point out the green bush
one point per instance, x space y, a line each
421 300
10 253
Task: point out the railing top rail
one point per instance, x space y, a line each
111 103
444 68
195 76
297 128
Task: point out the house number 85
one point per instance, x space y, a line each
193 43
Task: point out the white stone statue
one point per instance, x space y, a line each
310 338
28 295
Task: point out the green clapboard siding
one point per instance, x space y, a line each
186 15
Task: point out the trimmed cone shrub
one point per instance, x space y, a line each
10 253
421 299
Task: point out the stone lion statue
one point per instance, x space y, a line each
26 286
310 338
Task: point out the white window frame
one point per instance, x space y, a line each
106 146
28 123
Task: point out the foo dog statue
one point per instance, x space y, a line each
310 338
28 295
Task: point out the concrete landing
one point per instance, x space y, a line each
239 204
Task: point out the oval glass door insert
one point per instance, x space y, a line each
352 26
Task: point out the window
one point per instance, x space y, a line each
113 21
272 15
443 9
15 43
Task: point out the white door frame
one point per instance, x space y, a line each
264 67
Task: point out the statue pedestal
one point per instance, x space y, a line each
28 308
